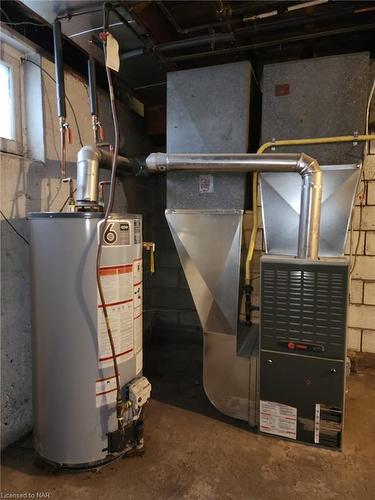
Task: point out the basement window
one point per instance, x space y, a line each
11 135
6 122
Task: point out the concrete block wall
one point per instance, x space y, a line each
361 319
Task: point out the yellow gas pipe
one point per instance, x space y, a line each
288 142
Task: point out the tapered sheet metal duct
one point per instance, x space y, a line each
281 209
209 245
206 224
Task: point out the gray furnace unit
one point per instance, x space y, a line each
302 348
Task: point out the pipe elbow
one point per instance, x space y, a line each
89 152
308 166
310 171
157 162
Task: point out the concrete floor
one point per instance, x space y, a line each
193 452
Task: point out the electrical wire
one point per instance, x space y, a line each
119 402
67 98
14 229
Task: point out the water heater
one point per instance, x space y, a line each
74 382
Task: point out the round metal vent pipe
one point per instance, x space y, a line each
307 167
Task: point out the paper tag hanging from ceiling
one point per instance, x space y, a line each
112 53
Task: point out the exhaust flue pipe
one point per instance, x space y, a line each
89 160
307 167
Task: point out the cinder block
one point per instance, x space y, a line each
165 318
159 198
360 198
189 319
173 298
247 220
354 336
371 193
182 282
356 292
166 278
163 238
357 247
368 218
259 240
369 167
159 219
361 316
167 258
356 219
260 217
369 294
247 236
368 341
364 268
370 242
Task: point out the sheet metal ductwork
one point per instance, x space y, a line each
209 243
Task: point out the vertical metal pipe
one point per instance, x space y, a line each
92 86
309 220
87 176
59 70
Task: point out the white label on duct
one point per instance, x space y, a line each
317 424
112 53
206 184
117 284
278 419
105 391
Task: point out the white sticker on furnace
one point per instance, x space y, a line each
105 391
278 419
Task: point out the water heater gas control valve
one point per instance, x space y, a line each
139 392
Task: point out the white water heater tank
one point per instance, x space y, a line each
73 376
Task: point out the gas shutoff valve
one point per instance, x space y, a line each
150 246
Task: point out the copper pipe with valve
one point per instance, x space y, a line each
101 192
71 201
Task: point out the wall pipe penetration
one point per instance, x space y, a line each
90 159
307 167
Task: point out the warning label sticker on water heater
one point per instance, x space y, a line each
105 391
117 284
278 419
